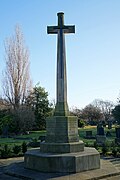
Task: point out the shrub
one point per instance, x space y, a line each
81 123
105 148
5 151
34 143
114 151
24 147
95 145
16 149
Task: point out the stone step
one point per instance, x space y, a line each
115 159
115 162
112 178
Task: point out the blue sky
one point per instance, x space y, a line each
92 53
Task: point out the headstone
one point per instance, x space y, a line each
100 137
100 130
89 135
109 124
62 150
117 139
5 131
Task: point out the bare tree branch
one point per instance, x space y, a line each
16 77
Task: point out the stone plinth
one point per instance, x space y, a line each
62 135
62 129
68 162
62 147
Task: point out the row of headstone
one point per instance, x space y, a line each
101 135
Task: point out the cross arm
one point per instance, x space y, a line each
69 29
52 29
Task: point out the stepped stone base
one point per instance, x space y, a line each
68 162
62 147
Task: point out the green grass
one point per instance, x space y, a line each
12 141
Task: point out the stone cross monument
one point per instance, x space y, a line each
61 108
62 150
61 128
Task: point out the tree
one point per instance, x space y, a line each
78 112
92 114
105 107
16 77
116 113
23 119
38 100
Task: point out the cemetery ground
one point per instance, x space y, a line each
16 163
33 138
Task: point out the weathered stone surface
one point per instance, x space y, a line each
62 129
61 108
67 162
62 147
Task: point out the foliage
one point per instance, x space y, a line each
114 151
105 148
34 143
38 100
6 120
16 149
24 147
92 114
116 113
96 145
81 123
5 151
23 119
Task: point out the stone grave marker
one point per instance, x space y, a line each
100 137
89 135
117 139
5 130
109 124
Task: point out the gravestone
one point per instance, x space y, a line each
117 139
5 130
89 135
100 137
100 129
62 150
109 124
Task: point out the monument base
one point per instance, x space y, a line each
62 147
68 162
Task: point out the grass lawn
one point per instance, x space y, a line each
18 140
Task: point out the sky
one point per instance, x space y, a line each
92 53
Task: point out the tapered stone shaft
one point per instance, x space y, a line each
61 108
